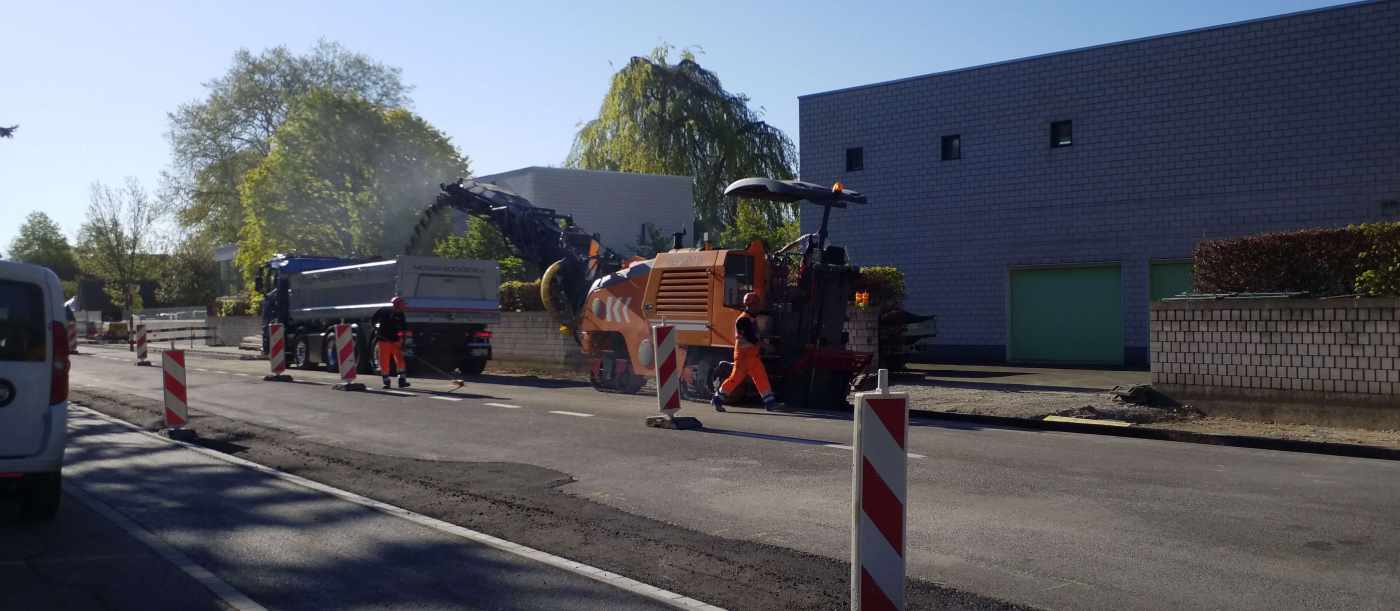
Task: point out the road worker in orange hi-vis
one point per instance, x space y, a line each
747 363
390 325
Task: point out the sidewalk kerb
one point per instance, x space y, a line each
613 579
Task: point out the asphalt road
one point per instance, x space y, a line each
284 546
1047 519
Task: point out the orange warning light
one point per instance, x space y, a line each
837 187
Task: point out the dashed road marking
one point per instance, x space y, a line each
399 393
574 414
851 449
445 398
199 369
241 375
505 405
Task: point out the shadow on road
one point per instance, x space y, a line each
331 553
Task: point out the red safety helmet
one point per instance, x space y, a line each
397 302
751 300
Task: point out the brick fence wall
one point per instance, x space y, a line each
1320 361
863 332
533 338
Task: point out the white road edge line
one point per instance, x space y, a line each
627 584
444 398
505 405
398 393
574 414
218 587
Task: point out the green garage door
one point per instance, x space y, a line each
1170 279
1071 315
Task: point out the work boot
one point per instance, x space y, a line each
386 383
718 402
403 382
770 404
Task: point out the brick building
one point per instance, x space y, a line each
1038 205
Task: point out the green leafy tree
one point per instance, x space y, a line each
41 242
483 241
660 117
345 177
753 223
117 237
217 140
188 275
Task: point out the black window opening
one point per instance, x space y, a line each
855 159
738 279
1061 134
952 147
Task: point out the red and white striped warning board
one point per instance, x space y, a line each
177 407
345 352
668 375
141 345
878 509
276 348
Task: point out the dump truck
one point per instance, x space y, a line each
449 305
610 303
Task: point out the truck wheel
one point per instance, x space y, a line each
41 500
472 367
301 354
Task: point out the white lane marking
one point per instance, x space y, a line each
399 393
241 375
505 405
444 398
578 568
199 369
218 587
851 449
574 414
222 373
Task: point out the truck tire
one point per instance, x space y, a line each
472 367
301 354
43 495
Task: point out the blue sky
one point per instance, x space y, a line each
90 83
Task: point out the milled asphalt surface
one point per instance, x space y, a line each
1047 519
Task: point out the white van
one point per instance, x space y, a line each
33 387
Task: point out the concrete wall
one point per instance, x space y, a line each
611 204
230 330
533 339
1268 125
1314 361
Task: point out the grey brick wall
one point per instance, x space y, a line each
533 338
611 204
1268 125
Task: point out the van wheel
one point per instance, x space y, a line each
45 492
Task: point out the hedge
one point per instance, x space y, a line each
1320 262
518 296
885 285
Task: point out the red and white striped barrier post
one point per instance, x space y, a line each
345 358
879 495
72 328
668 381
141 346
177 406
277 354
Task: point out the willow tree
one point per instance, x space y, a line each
660 117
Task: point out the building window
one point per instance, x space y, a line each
1061 134
952 147
855 159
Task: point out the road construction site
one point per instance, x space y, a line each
752 511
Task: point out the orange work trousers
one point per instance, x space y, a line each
391 354
747 364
